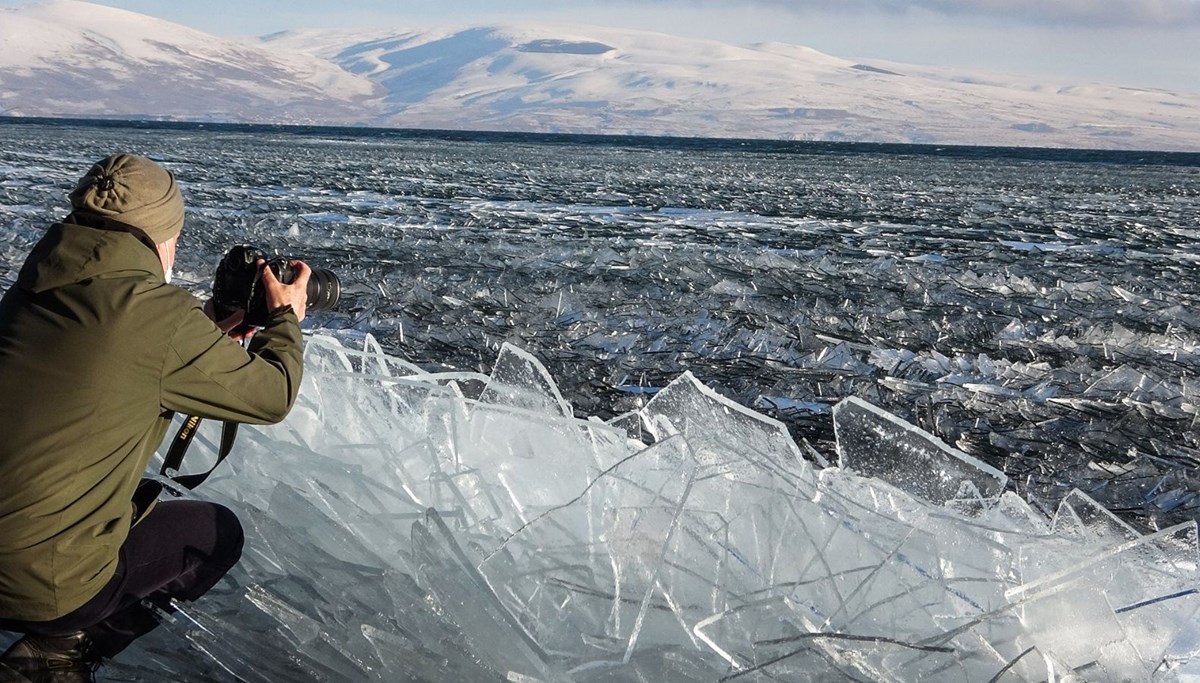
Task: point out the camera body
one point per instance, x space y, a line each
237 285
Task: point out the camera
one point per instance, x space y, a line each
238 285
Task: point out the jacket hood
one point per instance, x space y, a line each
71 252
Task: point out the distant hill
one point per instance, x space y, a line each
68 58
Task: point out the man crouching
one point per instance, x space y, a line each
97 351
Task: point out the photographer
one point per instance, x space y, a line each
97 351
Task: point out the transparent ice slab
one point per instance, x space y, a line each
489 632
729 438
518 380
1116 613
1079 517
875 443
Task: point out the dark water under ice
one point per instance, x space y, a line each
1036 308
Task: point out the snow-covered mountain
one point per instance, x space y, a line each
68 58
568 79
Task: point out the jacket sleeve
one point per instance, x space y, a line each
210 375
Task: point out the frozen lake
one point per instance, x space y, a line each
1036 310
1039 313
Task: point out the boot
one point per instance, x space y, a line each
7 675
53 659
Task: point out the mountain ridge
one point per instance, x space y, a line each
551 79
70 58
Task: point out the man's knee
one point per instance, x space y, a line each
206 563
230 538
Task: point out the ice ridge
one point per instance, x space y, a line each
408 525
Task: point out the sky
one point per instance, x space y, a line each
1136 43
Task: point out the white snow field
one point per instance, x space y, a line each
64 58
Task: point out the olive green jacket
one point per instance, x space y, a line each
96 352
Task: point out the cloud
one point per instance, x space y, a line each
1101 12
1084 12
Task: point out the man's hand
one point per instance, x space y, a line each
232 325
294 294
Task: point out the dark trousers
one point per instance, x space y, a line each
179 550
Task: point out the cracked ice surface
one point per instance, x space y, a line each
406 525
1038 314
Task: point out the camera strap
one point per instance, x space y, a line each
179 445
148 491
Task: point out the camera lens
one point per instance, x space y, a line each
324 290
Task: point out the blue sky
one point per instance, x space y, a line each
1139 43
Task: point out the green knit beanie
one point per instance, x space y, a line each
135 191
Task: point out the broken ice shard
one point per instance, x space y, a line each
726 437
874 443
1114 615
605 574
487 628
519 380
1083 519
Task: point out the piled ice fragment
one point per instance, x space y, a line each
405 525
